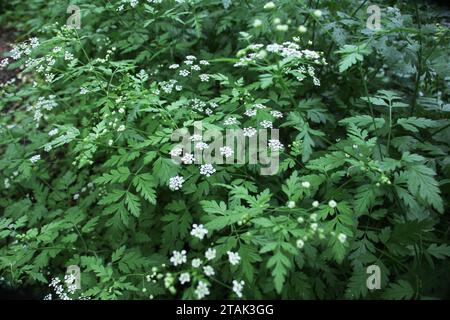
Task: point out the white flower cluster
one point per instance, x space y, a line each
238 286
202 290
210 254
233 257
266 124
275 145
189 66
168 86
188 158
199 231
230 121
184 278
207 169
208 271
201 106
42 104
226 151
176 183
289 50
59 289
178 257
35 158
249 132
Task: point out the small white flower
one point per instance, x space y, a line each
259 106
202 290
238 286
207 169
300 243
269 5
196 137
233 257
230 121
276 114
250 112
266 124
49 77
249 132
210 254
342 237
226 151
121 128
332 204
291 204
34 42
201 146
314 226
184 278
199 231
76 196
83 91
174 66
204 77
275 145
176 152
188 158
196 67
178 257
53 132
16 53
257 23
68 56
191 57
318 13
196 262
176 183
315 204
4 63
306 184
184 73
35 158
282 27
209 271
7 184
204 62
313 216
302 29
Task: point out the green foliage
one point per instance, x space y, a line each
86 147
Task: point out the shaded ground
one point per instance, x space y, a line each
7 37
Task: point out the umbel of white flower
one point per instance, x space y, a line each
178 257
184 278
202 290
233 257
207 170
238 286
210 254
199 231
175 183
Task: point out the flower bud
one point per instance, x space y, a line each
302 29
317 13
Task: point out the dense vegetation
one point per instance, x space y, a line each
87 177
